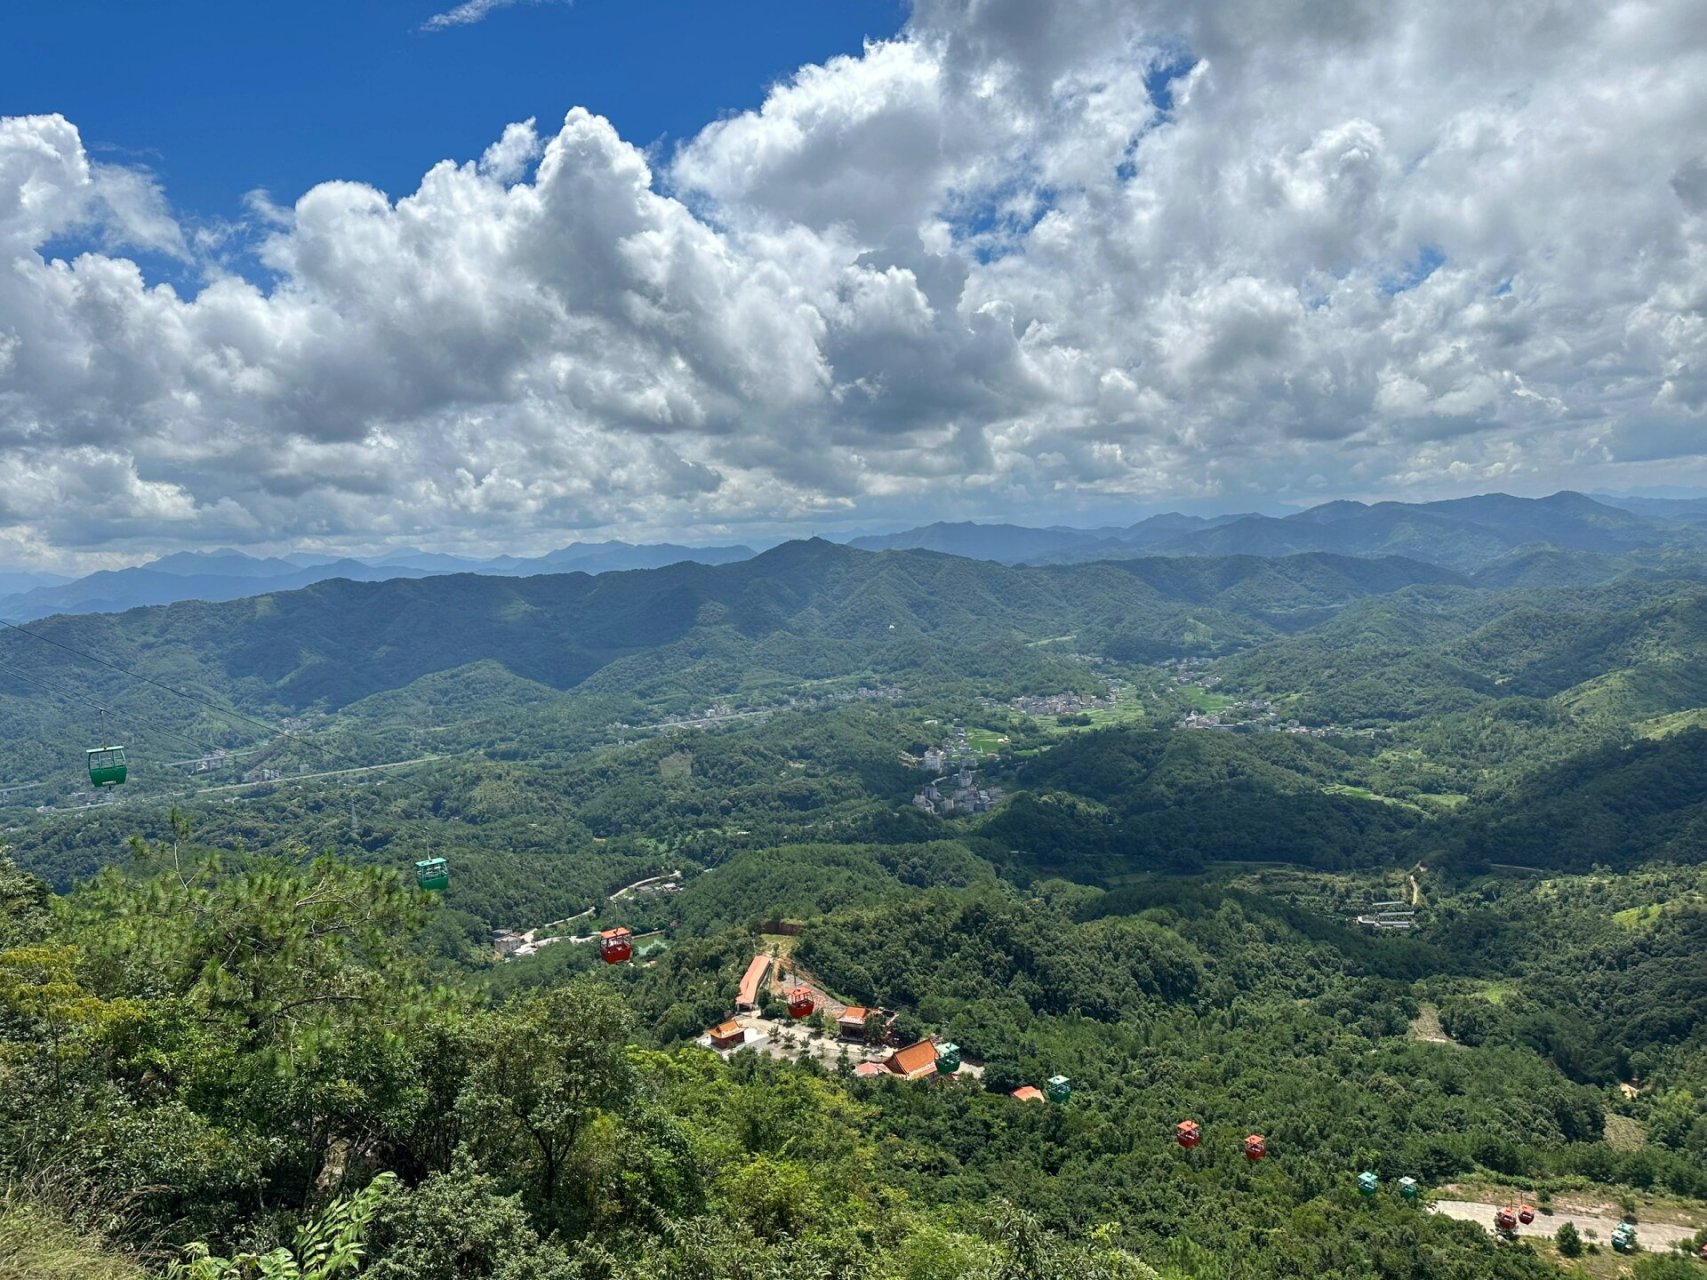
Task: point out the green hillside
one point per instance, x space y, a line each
229 1020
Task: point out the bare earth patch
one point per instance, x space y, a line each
1426 1026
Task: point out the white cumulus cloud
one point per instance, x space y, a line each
1019 260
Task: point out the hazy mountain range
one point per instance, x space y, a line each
231 575
1467 534
1490 533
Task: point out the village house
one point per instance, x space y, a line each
1028 1093
851 1025
915 1062
727 1035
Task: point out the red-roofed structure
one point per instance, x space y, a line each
915 1062
1028 1093
727 1035
852 1022
756 973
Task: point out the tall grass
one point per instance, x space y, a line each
38 1244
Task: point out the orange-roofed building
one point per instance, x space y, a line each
915 1062
1028 1093
852 1022
866 1069
727 1035
756 973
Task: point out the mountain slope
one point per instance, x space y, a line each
232 575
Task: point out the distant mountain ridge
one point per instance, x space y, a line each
13 582
1495 533
1463 534
228 574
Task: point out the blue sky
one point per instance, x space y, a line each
222 98
762 268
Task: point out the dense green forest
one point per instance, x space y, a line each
235 1038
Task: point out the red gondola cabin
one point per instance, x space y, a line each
616 946
1526 1214
1505 1220
800 1003
1188 1134
1256 1147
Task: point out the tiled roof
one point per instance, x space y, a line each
1028 1093
750 980
723 1030
915 1059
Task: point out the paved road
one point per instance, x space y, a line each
1650 1235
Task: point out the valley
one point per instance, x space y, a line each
1391 869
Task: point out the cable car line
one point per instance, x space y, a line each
428 876
73 696
136 675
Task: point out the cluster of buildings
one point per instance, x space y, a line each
1264 721
954 752
1066 704
921 1060
959 796
941 759
868 1033
721 711
956 792
1397 914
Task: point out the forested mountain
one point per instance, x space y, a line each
1509 541
1120 822
231 575
807 609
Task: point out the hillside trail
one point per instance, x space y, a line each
621 893
1650 1235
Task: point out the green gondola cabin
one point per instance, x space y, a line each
433 874
1058 1088
947 1058
1407 1188
1624 1237
1368 1183
106 766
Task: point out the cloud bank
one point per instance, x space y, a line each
1020 259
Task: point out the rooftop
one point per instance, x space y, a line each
756 972
916 1059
